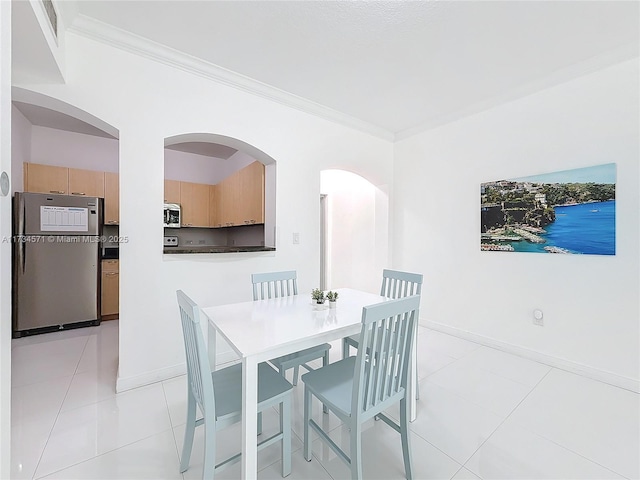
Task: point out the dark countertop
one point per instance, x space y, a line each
215 249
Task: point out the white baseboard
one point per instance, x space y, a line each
610 378
127 383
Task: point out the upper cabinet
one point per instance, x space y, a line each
194 204
171 191
252 190
111 198
75 181
215 212
62 180
86 182
237 200
46 179
241 197
229 199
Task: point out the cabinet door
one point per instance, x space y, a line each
46 179
110 296
86 182
171 191
194 203
111 198
214 206
230 201
252 188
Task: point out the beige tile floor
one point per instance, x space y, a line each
482 414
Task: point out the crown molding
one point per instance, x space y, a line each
102 32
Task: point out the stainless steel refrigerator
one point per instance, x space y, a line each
55 262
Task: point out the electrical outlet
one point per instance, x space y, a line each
200 242
538 317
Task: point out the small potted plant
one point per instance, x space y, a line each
333 298
317 296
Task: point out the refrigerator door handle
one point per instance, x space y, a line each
21 228
23 256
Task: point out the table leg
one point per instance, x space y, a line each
249 457
211 346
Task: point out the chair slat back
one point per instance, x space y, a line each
274 284
396 284
382 364
198 372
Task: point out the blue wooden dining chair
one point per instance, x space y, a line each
395 284
358 388
283 284
218 395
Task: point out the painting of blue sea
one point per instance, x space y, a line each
565 212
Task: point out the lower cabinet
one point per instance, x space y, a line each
110 295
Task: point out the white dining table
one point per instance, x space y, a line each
263 329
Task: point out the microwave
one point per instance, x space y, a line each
172 215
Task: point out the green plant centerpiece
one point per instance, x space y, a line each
332 296
317 296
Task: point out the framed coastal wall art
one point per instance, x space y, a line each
565 212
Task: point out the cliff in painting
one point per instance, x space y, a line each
571 211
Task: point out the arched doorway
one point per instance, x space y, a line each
354 228
82 363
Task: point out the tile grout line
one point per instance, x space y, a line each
563 446
437 448
100 455
172 427
502 423
60 409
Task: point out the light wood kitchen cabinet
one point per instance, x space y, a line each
87 183
237 200
194 204
110 290
214 206
171 191
46 179
230 198
252 188
241 197
111 198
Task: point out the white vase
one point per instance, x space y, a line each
332 304
318 306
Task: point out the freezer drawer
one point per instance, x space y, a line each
56 283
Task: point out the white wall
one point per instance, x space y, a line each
20 147
50 146
356 251
590 303
137 105
5 247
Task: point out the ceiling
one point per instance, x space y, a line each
45 117
395 65
204 148
390 68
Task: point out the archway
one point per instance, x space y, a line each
208 160
355 216
60 135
